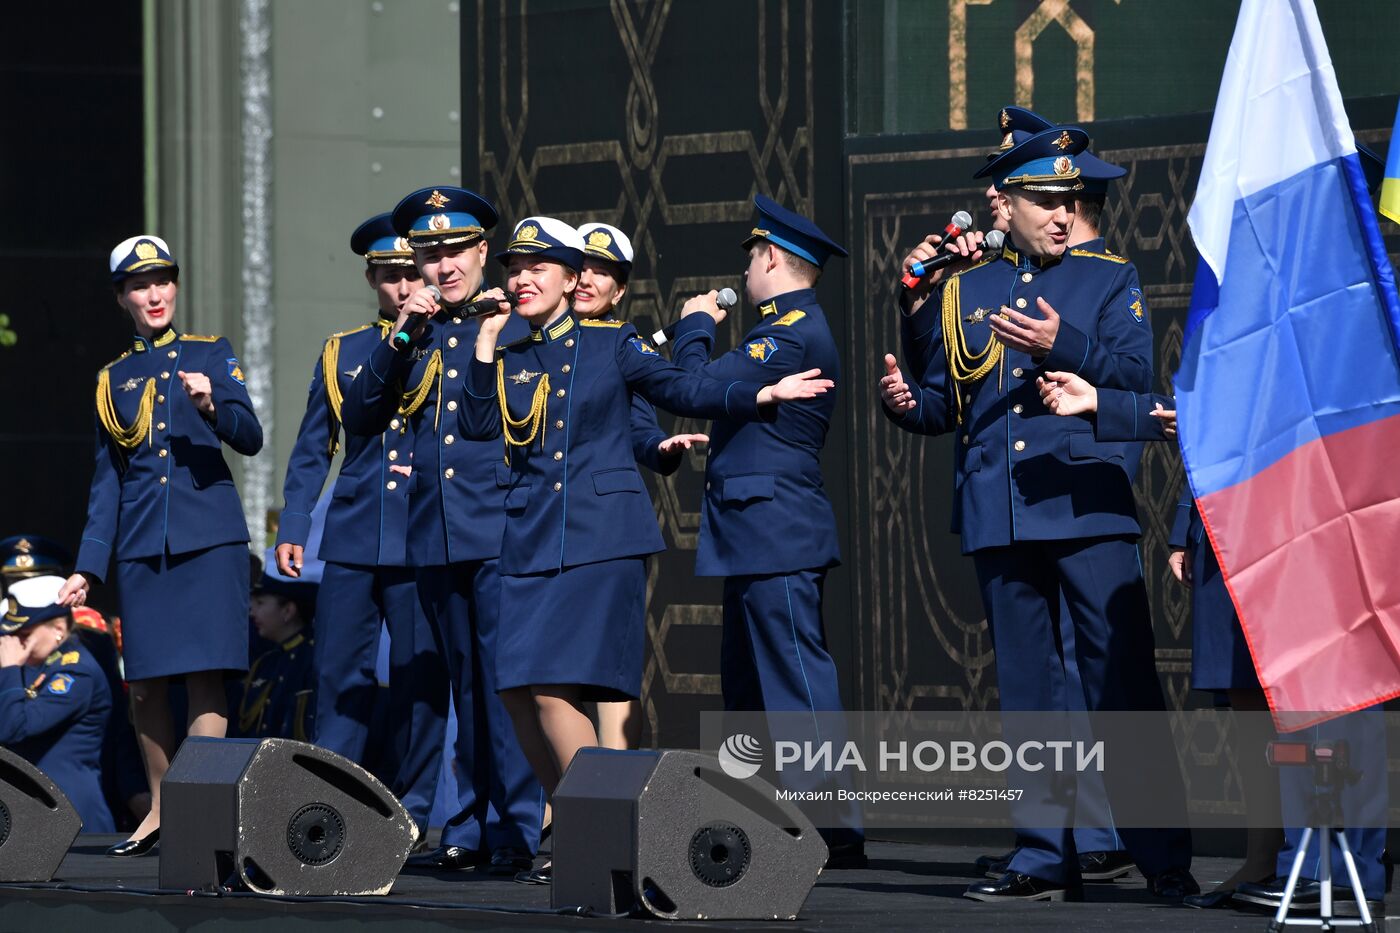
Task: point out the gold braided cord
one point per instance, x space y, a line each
534 420
964 365
330 364
414 399
126 438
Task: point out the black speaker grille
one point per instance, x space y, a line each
316 834
4 822
719 854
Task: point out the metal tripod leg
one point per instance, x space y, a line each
1326 921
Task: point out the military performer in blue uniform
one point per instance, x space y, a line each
279 690
767 526
164 505
578 524
456 518
366 578
55 704
1066 533
602 283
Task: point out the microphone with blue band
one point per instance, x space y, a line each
479 308
917 270
726 299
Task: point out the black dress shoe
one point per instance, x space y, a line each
131 848
1014 886
1307 896
1220 897
542 875
1173 884
508 860
448 858
850 855
1104 866
994 866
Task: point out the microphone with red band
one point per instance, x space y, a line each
479 308
918 270
958 224
726 299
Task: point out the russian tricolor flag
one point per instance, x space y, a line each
1289 387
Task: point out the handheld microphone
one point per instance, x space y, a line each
726 299
917 270
478 308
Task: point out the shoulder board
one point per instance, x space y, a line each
789 319
69 657
613 324
986 260
117 360
514 343
199 338
52 658
1110 257
353 330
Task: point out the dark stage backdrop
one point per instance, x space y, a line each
71 188
664 118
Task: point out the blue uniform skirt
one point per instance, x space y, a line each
184 613
1220 658
584 626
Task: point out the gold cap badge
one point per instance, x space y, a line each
436 200
1005 120
146 250
1064 165
600 239
1063 142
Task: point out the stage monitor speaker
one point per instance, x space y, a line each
285 817
37 821
672 834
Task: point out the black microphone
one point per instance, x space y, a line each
726 299
992 241
478 308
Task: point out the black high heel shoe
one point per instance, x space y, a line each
132 848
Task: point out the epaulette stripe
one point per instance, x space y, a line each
1107 256
602 323
200 338
353 330
117 360
979 265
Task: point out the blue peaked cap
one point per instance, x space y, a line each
792 232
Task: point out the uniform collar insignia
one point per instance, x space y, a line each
767 308
1022 261
560 327
141 344
524 377
293 642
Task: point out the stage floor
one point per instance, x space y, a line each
907 887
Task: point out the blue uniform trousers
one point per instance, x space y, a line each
773 657
351 603
1098 581
499 801
1364 803
1093 817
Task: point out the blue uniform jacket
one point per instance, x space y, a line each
55 716
1022 473
458 488
172 492
279 692
766 509
367 521
575 495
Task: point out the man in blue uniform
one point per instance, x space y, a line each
279 690
366 578
456 520
767 526
1046 512
55 704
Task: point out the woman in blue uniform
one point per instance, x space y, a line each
55 704
602 283
163 504
578 525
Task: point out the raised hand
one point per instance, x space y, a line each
199 390
1067 394
1034 336
679 442
894 391
707 303
795 387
